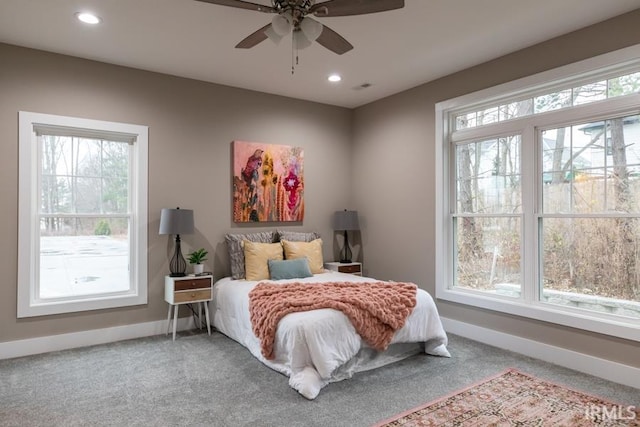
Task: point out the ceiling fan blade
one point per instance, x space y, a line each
253 39
241 5
333 41
353 7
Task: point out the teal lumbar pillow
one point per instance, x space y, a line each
289 269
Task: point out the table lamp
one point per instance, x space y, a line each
346 221
176 221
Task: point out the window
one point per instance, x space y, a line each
82 215
538 201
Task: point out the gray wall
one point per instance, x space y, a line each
191 127
394 179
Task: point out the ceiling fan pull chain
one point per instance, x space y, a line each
293 68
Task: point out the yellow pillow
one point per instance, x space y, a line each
311 250
256 257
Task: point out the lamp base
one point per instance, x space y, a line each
177 265
345 253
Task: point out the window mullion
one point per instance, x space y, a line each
34 240
529 204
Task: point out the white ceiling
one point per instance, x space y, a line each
394 51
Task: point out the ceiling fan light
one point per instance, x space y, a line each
311 28
281 25
300 41
272 35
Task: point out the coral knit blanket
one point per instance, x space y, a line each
376 309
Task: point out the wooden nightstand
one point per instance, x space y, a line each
187 290
345 267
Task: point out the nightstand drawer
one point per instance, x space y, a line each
349 268
345 267
188 296
183 285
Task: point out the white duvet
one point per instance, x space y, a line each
317 347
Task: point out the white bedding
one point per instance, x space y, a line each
317 347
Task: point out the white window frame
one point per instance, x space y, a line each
28 204
528 305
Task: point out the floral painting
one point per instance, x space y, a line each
268 182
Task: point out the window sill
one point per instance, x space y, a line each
620 327
45 308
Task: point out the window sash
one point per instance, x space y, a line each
74 175
38 284
76 136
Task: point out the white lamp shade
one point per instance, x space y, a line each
281 25
272 35
311 28
300 41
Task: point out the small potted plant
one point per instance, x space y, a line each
196 257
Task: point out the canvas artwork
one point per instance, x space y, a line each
268 182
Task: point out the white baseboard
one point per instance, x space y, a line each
611 371
46 344
602 368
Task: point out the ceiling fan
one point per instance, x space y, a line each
292 16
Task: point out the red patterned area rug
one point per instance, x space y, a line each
513 398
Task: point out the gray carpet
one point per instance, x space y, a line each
203 380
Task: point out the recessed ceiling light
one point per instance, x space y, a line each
88 18
334 78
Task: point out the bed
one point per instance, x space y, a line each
315 348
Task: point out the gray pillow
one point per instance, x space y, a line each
236 253
289 269
297 236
